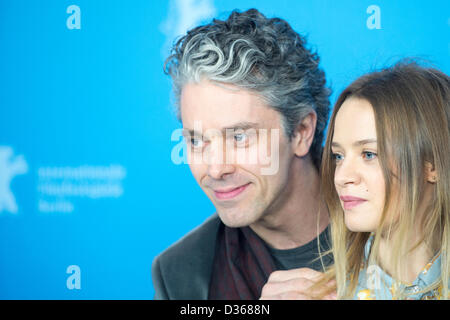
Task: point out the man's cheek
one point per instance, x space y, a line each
197 171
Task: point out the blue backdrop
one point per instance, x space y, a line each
88 192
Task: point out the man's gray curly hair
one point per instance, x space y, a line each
258 54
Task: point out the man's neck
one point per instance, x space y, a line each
299 215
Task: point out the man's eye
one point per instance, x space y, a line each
240 137
197 143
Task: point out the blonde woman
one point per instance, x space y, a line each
386 180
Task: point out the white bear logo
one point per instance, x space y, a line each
9 168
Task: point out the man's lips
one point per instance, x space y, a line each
229 193
351 201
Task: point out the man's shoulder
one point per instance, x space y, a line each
183 270
196 239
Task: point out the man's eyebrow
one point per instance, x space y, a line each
356 143
244 125
191 133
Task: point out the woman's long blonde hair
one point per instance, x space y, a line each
411 105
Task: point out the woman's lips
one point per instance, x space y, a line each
230 193
349 202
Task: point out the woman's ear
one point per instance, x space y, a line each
430 173
304 134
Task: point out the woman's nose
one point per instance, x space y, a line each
347 172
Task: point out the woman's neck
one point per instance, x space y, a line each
415 261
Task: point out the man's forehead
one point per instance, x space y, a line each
212 107
241 125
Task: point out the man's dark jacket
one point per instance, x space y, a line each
183 271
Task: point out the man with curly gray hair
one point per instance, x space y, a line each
248 85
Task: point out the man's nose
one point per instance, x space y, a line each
347 172
217 171
218 166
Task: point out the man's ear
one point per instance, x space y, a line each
304 134
430 173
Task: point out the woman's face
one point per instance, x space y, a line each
358 178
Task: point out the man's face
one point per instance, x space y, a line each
220 122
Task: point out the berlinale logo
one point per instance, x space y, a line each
10 166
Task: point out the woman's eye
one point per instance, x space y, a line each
337 157
369 155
